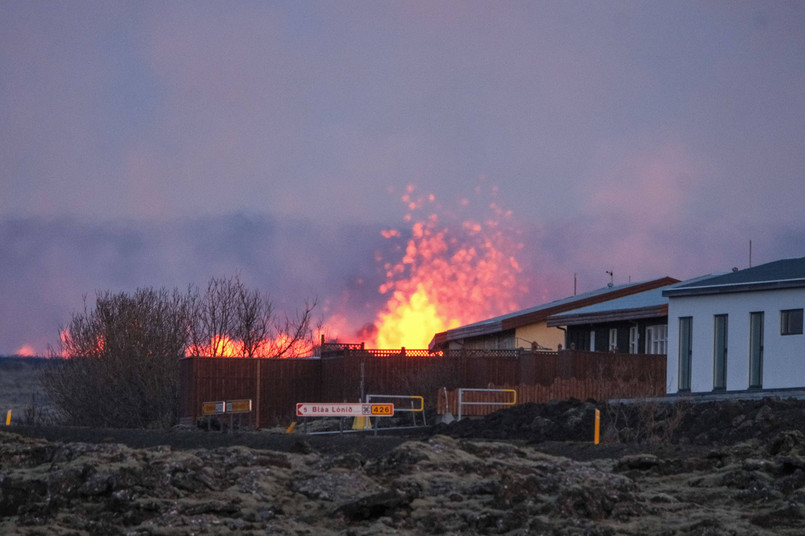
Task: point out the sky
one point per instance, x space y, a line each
153 144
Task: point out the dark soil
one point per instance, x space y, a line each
713 468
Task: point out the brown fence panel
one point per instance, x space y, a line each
539 377
283 383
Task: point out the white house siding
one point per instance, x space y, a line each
783 355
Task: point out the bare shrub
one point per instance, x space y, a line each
648 421
231 320
120 359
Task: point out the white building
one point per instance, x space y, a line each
738 331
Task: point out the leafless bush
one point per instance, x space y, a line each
644 421
120 363
120 359
231 320
37 414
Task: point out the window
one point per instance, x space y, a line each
592 340
791 322
685 351
633 339
720 352
756 350
657 339
613 339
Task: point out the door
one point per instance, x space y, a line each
720 352
755 350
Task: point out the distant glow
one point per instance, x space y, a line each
26 350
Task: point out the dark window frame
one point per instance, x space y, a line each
791 322
685 358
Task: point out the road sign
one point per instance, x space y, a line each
239 406
310 409
219 407
382 410
213 408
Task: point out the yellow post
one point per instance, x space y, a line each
597 424
8 418
291 427
362 423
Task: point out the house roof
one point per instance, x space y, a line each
541 313
648 304
643 305
782 274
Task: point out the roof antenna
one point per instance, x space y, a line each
611 278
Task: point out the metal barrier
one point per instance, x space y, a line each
462 403
397 408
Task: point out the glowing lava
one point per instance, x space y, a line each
26 350
283 346
453 271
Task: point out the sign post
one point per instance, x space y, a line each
312 409
227 407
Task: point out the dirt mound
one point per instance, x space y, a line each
695 469
681 421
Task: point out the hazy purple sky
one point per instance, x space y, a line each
145 143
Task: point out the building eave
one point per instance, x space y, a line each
654 311
735 287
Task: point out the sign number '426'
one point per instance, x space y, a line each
383 410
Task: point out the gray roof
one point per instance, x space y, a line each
649 298
648 304
550 305
782 274
540 313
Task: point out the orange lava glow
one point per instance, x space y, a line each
220 346
26 350
224 346
453 271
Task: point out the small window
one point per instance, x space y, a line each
791 322
657 339
613 339
634 333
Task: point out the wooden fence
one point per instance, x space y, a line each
276 385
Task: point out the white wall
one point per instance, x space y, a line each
783 355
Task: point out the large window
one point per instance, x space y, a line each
756 350
657 339
791 322
720 352
685 351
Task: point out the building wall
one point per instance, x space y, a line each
496 341
546 337
783 355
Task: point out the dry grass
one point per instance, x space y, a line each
20 390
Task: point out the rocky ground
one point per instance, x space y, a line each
710 469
